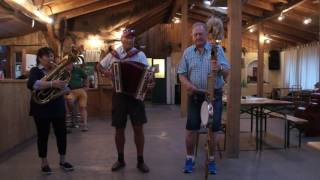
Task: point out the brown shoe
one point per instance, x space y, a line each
118 165
143 167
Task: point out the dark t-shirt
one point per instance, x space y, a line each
77 77
53 109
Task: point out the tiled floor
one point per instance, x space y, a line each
93 153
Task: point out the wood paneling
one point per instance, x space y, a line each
99 102
161 40
16 124
29 44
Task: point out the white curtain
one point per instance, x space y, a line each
290 59
301 66
309 64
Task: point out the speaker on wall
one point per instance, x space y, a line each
274 60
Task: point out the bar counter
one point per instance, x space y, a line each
16 124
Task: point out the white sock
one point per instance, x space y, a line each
211 158
190 157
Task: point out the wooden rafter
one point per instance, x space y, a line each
292 31
275 13
283 35
295 25
261 4
20 17
277 1
153 17
175 8
59 6
248 9
99 5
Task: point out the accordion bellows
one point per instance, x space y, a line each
131 78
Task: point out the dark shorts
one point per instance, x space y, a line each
124 105
194 109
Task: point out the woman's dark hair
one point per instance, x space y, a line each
45 51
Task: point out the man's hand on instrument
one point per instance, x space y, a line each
191 89
215 65
107 73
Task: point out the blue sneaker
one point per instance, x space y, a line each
212 167
188 167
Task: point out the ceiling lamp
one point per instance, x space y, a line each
268 41
176 20
207 2
251 30
281 17
307 21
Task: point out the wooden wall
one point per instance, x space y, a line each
28 44
16 124
99 102
161 40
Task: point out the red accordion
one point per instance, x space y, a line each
131 78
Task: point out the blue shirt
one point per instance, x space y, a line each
196 67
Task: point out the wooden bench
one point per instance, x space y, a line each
297 123
292 122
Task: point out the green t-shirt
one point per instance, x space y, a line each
77 78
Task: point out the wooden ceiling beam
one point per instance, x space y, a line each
99 5
282 40
276 1
292 31
295 25
209 12
252 10
197 17
142 19
273 32
20 16
175 8
253 36
261 4
307 9
59 6
292 4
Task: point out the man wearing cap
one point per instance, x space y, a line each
123 105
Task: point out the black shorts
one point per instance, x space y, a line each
124 105
194 109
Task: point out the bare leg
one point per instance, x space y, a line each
139 138
120 139
84 117
214 142
190 142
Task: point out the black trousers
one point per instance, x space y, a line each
43 130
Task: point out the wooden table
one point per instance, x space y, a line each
255 106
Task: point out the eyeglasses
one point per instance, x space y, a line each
129 31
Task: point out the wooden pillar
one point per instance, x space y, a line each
23 61
260 60
234 89
184 43
53 42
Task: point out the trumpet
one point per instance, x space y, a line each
58 73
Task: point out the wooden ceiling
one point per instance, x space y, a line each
104 16
289 32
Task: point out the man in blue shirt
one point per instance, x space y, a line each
193 70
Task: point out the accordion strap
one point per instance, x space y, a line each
129 54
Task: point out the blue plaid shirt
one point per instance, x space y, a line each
196 67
